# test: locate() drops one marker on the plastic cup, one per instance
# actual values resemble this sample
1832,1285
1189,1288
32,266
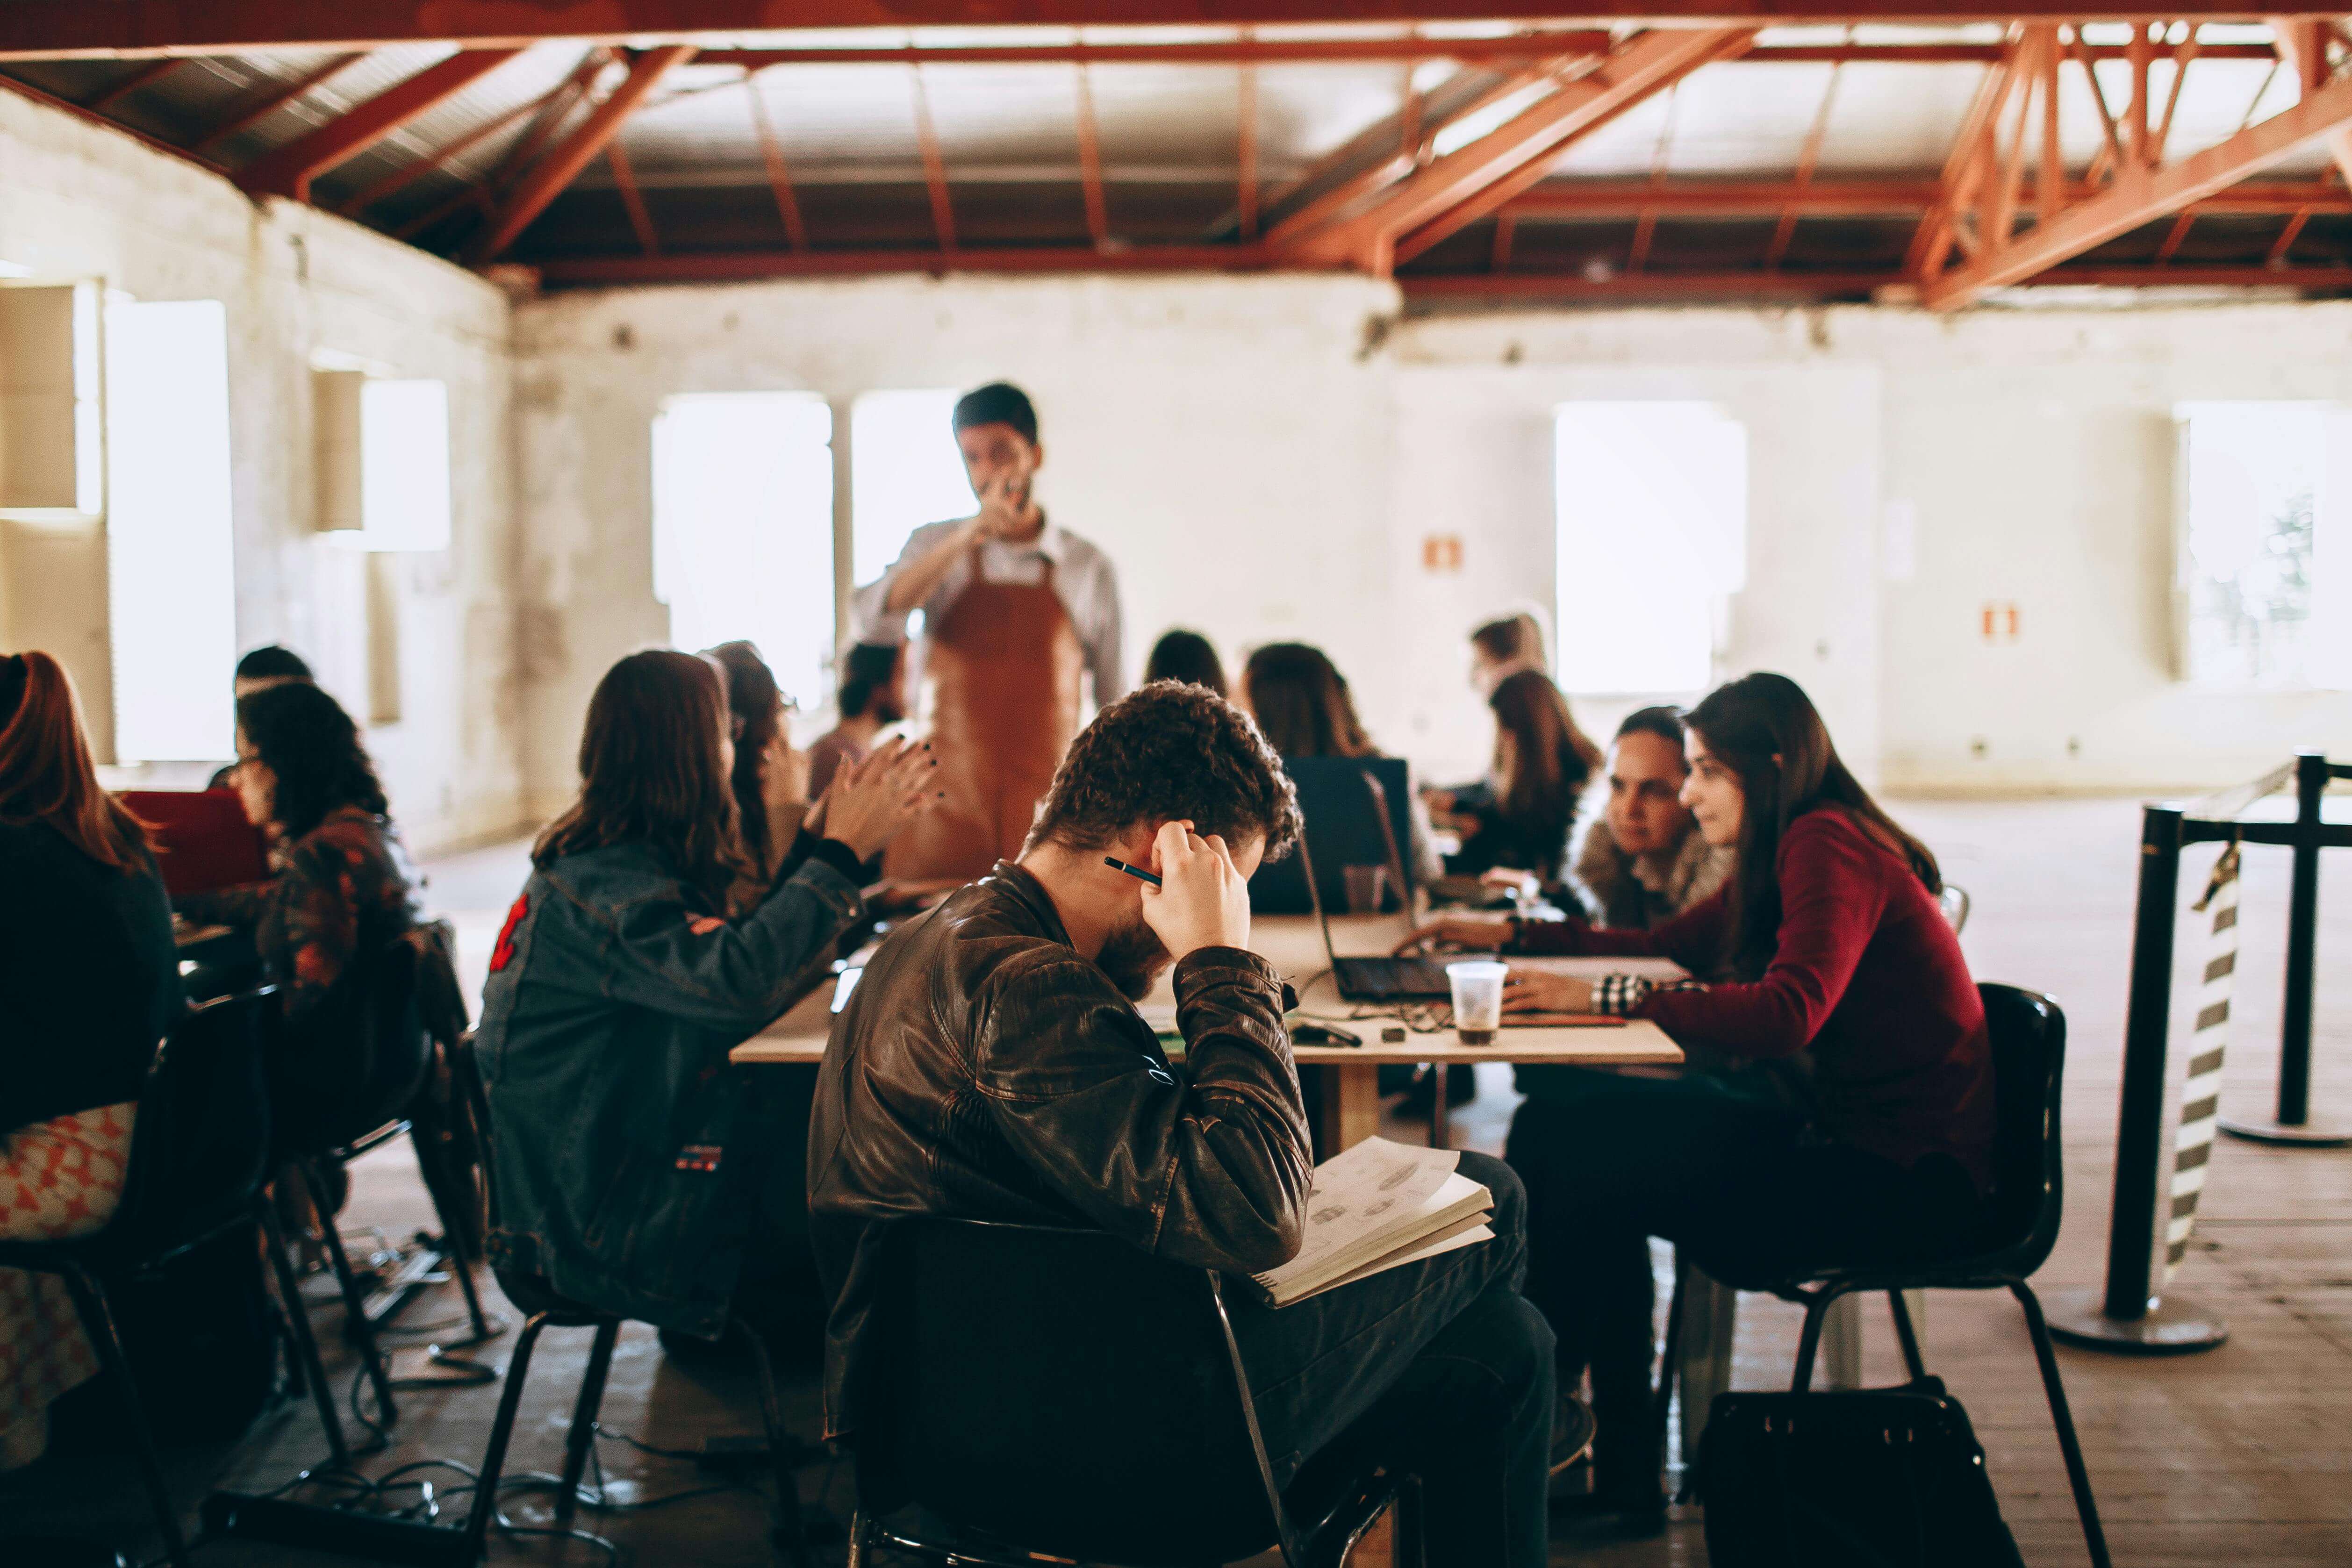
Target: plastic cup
1477,999
1367,888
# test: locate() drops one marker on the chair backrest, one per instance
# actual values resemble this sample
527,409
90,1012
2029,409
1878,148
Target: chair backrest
1346,820
1063,1390
200,1146
362,1062
2027,1033
1954,901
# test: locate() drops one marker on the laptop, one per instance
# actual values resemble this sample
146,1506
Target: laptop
1359,808
1379,979
206,842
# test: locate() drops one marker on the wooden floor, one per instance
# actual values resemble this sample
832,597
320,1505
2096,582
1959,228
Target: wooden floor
2241,1455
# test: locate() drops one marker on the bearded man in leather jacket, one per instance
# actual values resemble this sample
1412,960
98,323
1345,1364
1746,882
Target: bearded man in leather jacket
991,1065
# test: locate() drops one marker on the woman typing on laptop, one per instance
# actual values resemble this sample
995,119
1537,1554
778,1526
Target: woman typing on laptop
1836,956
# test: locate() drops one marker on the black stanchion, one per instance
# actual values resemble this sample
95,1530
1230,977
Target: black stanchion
2126,1317
2293,1124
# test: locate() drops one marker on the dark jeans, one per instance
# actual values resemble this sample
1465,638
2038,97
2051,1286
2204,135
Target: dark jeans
1733,1176
1438,1369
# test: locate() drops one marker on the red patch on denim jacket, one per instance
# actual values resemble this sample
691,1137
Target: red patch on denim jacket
503,954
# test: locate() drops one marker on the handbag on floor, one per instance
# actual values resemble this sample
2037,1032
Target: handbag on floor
1891,1478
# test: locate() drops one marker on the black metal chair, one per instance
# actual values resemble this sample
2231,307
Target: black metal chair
2027,1034
1045,1393
199,1158
366,1100
544,1308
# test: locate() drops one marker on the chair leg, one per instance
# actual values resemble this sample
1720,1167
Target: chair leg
1669,1368
1408,1545
494,1457
791,1528
2078,1475
582,1440
362,1330
1907,1334
297,1324
98,1323
437,1181
1809,1343
861,1549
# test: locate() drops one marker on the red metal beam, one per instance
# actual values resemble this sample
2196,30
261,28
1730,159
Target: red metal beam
2140,195
1596,200
935,167
1515,48
1808,160
123,87
625,179
1738,286
288,171
270,99
1649,63
33,29
1245,154
733,266
407,174
1090,179
547,180
779,174
2303,49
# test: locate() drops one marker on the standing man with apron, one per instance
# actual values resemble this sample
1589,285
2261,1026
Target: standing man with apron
1016,608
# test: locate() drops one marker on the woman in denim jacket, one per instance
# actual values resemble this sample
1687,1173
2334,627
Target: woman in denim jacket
622,979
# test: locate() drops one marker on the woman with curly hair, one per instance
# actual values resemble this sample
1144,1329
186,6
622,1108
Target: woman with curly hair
345,886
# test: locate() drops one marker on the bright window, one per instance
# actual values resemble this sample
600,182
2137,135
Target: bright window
171,571
2265,585
743,528
905,471
1652,501
404,466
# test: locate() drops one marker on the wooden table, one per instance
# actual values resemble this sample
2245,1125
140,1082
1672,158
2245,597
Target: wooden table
1351,1104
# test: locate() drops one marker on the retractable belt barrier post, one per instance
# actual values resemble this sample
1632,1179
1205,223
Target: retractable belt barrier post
2293,1123
2129,1316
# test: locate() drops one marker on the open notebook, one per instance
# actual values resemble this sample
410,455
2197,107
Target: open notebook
1377,1207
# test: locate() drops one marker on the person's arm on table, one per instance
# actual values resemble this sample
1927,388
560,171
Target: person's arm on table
1213,1172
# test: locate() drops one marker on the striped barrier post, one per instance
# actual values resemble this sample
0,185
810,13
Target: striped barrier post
2200,1091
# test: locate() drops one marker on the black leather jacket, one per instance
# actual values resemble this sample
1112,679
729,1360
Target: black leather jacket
984,1069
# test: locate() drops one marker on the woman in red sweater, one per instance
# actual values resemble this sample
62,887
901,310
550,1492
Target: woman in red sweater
1861,1128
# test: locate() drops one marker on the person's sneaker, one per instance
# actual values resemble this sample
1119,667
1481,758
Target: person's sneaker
1571,1434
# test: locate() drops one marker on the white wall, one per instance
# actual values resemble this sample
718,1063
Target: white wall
2036,449
80,201
1222,439
1263,457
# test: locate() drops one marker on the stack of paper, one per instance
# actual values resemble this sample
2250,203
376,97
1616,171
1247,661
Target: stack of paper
1377,1207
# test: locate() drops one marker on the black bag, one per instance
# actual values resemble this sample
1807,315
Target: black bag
1889,1478
202,1338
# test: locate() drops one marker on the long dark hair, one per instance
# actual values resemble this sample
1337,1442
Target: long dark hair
1186,656
1767,731
45,773
1550,761
649,771
755,707
1302,704
304,736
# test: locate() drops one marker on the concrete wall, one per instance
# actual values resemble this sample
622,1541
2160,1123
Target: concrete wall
1264,458
78,200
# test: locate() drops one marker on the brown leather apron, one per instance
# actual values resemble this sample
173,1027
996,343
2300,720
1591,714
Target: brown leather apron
1001,672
